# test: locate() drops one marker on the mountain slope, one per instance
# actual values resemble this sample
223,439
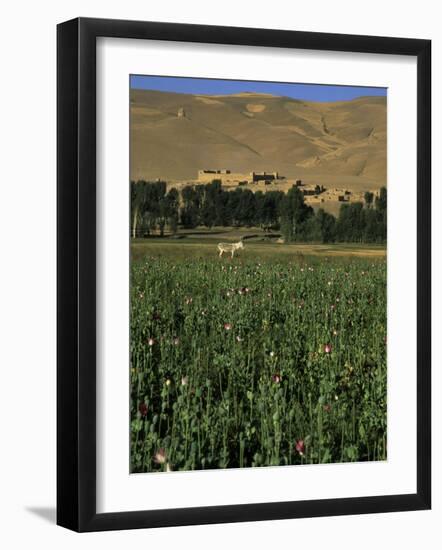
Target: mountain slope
175,135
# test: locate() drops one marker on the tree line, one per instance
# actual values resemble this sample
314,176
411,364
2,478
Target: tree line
153,208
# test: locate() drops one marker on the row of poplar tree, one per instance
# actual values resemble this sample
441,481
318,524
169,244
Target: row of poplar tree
153,209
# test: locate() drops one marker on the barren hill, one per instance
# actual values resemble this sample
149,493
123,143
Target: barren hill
174,135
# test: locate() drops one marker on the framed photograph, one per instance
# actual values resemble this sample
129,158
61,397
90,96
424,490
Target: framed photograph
243,274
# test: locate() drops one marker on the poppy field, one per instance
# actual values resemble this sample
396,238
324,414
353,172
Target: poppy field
247,363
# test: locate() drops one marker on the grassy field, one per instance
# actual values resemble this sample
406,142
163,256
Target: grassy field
258,246
253,250
277,357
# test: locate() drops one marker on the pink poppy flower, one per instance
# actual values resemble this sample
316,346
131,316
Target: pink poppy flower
327,348
227,326
276,378
300,447
160,456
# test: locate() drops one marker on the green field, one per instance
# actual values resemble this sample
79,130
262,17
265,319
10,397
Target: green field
276,357
203,245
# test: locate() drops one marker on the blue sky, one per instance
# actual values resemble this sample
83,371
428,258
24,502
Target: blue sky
308,92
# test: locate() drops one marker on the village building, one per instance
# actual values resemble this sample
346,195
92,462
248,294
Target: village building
227,177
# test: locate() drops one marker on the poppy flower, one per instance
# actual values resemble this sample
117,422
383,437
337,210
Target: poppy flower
327,348
227,326
276,378
160,456
151,342
300,447
143,409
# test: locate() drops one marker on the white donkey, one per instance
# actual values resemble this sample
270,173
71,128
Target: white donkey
229,247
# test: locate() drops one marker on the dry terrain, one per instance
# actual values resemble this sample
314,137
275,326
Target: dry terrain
339,145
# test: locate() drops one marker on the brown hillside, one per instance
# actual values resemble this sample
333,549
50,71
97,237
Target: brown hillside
342,142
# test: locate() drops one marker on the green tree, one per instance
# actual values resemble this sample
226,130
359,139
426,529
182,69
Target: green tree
155,212
327,226
368,197
172,209
381,208
351,222
190,211
246,207
138,199
294,213
233,205
372,232
209,205
270,209
312,230
381,200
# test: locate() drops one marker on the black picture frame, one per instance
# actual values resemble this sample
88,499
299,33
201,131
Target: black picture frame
76,274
